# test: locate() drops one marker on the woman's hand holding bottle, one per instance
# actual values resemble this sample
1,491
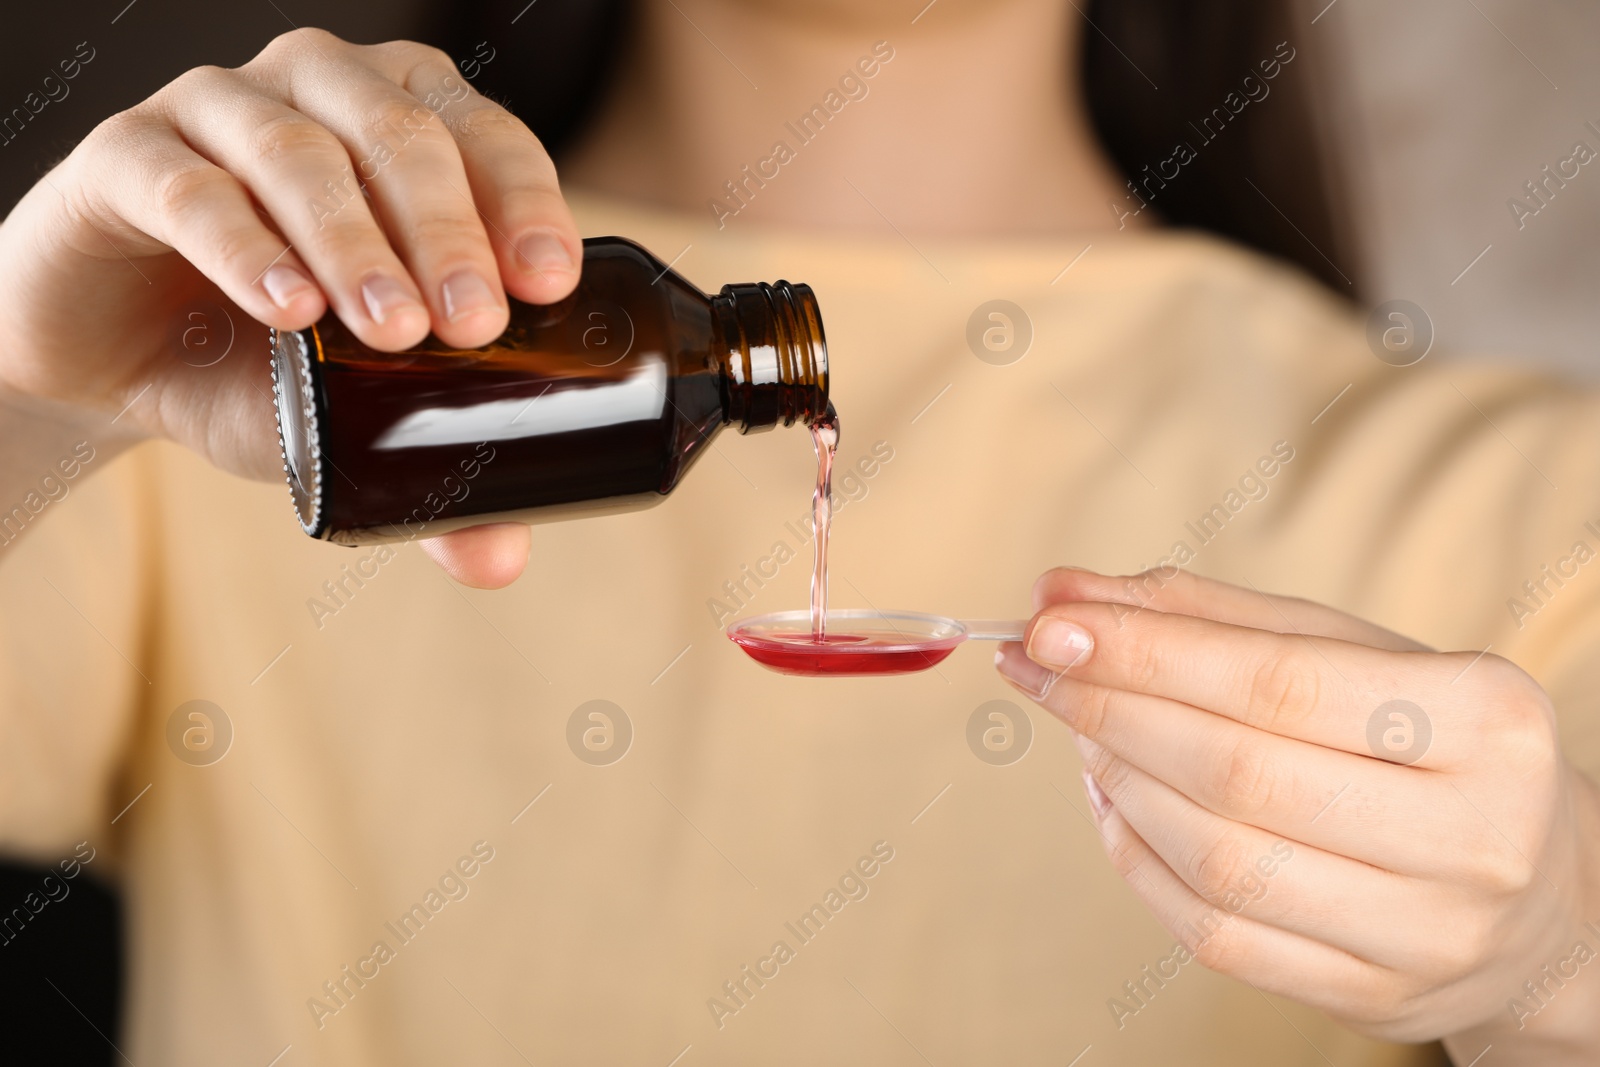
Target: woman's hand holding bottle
371,180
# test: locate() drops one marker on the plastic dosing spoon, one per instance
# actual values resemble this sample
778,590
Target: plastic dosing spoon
860,641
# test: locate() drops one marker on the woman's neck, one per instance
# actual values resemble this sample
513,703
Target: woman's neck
967,121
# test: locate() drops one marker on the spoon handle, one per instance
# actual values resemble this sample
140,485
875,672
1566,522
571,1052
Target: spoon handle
994,629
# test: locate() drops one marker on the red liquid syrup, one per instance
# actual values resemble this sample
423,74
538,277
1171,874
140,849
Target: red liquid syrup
859,641
825,437
868,642
861,652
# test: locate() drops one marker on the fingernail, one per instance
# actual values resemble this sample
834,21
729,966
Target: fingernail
466,293
1023,672
1097,796
1059,644
542,251
385,296
285,285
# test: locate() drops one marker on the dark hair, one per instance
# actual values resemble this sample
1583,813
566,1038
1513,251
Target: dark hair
565,52
1158,74
1162,76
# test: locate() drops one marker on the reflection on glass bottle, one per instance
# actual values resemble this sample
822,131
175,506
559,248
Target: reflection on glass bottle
600,402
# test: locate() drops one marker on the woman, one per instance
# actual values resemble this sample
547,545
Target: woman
396,858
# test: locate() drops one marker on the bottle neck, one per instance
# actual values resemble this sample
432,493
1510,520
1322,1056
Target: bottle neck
773,356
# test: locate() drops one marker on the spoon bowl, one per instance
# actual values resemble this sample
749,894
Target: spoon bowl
859,641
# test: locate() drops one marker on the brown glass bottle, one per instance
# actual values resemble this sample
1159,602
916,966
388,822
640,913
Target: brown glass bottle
598,403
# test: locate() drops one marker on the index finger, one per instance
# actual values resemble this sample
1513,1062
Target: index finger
1321,690
511,178
1178,591
490,556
